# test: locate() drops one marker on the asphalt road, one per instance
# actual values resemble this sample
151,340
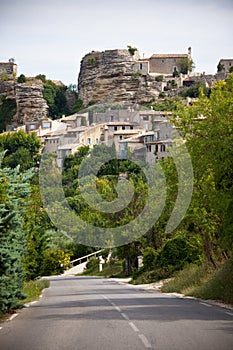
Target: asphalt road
85,313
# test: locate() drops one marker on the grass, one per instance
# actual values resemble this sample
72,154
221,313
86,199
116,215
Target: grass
204,282
109,270
32,289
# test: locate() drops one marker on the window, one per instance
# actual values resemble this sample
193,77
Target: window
97,141
121,137
32,127
123,127
88,140
140,66
156,148
131,127
46,125
162,148
115,128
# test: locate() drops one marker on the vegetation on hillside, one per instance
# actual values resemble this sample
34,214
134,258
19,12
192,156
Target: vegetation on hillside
7,111
31,246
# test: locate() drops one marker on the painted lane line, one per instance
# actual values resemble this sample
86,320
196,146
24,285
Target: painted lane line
12,317
208,305
125,316
145,341
229,313
134,327
117,308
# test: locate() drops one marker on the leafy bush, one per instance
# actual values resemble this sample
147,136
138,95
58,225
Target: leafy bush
21,79
131,49
92,264
4,77
54,262
177,252
159,78
91,60
149,258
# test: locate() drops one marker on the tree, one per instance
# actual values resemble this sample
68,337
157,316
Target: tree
220,67
7,111
21,149
14,190
185,65
207,127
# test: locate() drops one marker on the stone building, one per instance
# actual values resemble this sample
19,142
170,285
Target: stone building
226,64
9,68
161,63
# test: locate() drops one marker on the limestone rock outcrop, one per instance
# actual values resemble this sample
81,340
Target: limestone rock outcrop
29,99
109,77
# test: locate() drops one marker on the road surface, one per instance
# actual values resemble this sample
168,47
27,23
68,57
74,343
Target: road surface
85,313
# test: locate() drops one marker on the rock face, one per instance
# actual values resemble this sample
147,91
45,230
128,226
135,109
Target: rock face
29,99
109,77
30,102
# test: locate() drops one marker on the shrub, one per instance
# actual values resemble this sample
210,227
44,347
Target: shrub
149,258
159,78
177,252
92,264
91,60
4,77
21,79
131,49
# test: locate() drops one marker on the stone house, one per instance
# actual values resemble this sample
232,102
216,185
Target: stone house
8,68
164,64
226,64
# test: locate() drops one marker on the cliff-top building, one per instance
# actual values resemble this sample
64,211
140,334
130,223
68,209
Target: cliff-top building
161,63
8,68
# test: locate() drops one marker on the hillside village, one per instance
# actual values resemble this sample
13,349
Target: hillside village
109,77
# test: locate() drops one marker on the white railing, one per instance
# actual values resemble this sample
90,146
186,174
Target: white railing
79,260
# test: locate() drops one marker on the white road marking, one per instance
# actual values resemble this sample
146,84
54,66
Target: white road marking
143,338
208,305
134,327
229,313
117,308
145,341
12,317
125,316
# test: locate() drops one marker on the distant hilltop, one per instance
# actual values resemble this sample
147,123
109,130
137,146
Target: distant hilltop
120,75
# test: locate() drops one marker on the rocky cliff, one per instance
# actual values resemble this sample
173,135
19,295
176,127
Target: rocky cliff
109,77
28,97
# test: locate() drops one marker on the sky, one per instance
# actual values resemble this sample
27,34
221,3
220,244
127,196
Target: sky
51,36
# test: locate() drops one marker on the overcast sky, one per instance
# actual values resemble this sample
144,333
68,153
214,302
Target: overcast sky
51,36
